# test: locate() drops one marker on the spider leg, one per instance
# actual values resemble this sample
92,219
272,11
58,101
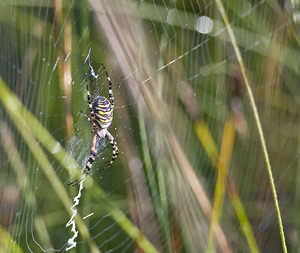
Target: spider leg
114,144
110,91
93,153
88,166
89,99
90,120
74,183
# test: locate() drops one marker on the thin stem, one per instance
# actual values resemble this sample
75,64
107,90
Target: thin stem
257,119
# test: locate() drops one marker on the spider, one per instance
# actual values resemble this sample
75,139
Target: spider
101,111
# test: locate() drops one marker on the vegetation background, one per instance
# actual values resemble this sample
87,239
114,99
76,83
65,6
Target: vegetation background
207,116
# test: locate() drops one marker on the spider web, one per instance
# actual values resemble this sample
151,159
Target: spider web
175,74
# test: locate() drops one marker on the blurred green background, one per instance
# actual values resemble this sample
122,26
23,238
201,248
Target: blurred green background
193,174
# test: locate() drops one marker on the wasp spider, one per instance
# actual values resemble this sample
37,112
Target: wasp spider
101,111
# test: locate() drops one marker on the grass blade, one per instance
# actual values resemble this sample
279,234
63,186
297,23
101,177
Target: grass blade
257,119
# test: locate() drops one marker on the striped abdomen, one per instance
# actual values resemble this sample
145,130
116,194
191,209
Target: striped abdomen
103,111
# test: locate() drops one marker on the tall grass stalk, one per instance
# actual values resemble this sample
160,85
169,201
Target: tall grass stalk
223,165
19,168
210,147
257,119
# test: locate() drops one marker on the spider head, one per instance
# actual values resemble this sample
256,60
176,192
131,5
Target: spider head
102,133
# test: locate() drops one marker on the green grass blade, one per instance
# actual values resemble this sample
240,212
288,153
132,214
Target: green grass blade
30,128
7,244
257,118
210,147
223,166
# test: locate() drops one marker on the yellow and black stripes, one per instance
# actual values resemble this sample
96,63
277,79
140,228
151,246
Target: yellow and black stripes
110,91
114,144
103,111
92,157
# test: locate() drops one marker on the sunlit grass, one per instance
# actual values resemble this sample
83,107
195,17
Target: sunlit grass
193,150
13,107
